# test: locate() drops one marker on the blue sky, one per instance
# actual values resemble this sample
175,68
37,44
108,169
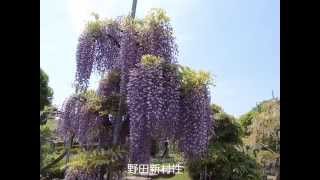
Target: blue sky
237,41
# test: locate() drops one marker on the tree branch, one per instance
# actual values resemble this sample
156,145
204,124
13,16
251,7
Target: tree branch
60,157
54,162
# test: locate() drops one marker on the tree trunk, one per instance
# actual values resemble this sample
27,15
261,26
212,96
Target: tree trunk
117,124
69,146
166,150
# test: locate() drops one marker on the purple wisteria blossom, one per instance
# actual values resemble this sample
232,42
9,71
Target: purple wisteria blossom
142,85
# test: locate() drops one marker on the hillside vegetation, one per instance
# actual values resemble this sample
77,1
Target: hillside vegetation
261,128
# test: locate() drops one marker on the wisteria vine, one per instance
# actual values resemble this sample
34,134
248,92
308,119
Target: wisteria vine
139,58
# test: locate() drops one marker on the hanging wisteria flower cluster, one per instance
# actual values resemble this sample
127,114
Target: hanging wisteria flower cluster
160,99
80,119
153,101
195,115
98,50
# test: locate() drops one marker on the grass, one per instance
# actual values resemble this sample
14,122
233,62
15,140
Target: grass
184,176
174,159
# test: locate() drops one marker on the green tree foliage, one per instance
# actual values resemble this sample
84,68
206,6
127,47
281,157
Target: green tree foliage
191,79
109,162
87,160
246,120
48,151
225,160
46,92
93,101
216,109
48,113
227,130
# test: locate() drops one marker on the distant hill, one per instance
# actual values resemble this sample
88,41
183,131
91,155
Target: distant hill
262,134
262,125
